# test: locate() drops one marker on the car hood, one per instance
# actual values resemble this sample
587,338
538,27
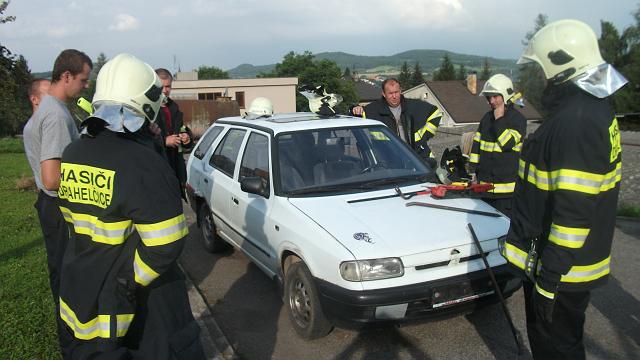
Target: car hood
378,224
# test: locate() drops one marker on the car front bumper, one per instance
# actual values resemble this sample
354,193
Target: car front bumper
433,299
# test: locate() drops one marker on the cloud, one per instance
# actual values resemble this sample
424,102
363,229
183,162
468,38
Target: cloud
124,22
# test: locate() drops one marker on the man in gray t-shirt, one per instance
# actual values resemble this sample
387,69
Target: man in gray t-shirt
49,130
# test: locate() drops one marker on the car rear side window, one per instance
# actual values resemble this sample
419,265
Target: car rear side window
206,142
225,155
255,161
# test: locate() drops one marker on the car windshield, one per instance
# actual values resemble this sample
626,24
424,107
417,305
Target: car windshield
346,160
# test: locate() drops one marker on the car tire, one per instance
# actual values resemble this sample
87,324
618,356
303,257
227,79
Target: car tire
303,303
210,239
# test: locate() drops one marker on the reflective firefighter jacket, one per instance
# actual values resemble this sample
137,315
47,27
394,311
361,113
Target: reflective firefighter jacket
567,191
126,223
419,119
496,149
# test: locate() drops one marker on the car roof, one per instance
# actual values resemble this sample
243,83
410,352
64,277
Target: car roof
279,123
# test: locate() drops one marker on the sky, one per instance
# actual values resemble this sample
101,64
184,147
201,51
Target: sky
226,33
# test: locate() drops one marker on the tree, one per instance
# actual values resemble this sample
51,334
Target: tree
15,79
531,81
624,53
313,72
97,65
347,74
405,76
416,77
446,71
211,73
612,45
486,70
462,73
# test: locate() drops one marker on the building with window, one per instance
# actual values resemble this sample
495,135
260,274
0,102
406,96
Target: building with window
281,91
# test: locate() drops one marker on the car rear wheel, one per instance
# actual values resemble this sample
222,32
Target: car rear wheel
210,239
303,303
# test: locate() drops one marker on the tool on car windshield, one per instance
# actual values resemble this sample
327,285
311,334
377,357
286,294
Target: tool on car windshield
453,208
454,190
496,287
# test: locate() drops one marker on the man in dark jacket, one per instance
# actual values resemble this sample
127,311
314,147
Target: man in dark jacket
414,121
177,137
497,143
566,196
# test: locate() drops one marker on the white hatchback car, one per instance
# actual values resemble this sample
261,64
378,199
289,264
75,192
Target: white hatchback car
315,203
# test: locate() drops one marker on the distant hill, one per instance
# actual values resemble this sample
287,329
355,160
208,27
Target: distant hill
43,75
429,60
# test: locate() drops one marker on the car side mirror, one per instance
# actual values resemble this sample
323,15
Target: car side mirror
254,185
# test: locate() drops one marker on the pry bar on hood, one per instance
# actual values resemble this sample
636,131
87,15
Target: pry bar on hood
451,208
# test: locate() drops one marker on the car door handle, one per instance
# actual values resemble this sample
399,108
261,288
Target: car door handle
235,200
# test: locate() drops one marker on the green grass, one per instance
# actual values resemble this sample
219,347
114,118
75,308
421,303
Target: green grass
27,315
11,145
629,210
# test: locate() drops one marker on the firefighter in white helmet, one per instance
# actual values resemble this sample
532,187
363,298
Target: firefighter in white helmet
127,228
259,107
566,197
498,141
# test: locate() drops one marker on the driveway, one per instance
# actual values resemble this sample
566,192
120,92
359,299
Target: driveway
247,307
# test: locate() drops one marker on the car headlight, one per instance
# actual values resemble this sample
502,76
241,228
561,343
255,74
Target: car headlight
373,269
501,245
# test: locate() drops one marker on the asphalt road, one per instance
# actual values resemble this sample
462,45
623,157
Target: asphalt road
247,307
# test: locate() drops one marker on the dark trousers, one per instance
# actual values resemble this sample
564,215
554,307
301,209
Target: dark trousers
56,236
563,337
163,327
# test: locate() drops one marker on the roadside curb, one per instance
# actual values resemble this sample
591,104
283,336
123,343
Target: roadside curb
214,342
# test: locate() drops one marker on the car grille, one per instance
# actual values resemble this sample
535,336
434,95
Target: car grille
446,262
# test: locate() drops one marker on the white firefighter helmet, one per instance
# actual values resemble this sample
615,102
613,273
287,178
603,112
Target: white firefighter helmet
131,82
564,49
498,84
259,107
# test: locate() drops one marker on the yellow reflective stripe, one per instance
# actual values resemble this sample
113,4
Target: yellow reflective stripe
96,327
545,293
574,180
476,137
111,233
99,326
501,188
163,232
567,236
517,147
144,274
515,255
474,158
507,134
489,146
379,135
123,321
586,273
428,126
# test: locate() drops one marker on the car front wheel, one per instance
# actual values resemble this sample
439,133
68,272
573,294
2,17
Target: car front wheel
212,242
303,303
